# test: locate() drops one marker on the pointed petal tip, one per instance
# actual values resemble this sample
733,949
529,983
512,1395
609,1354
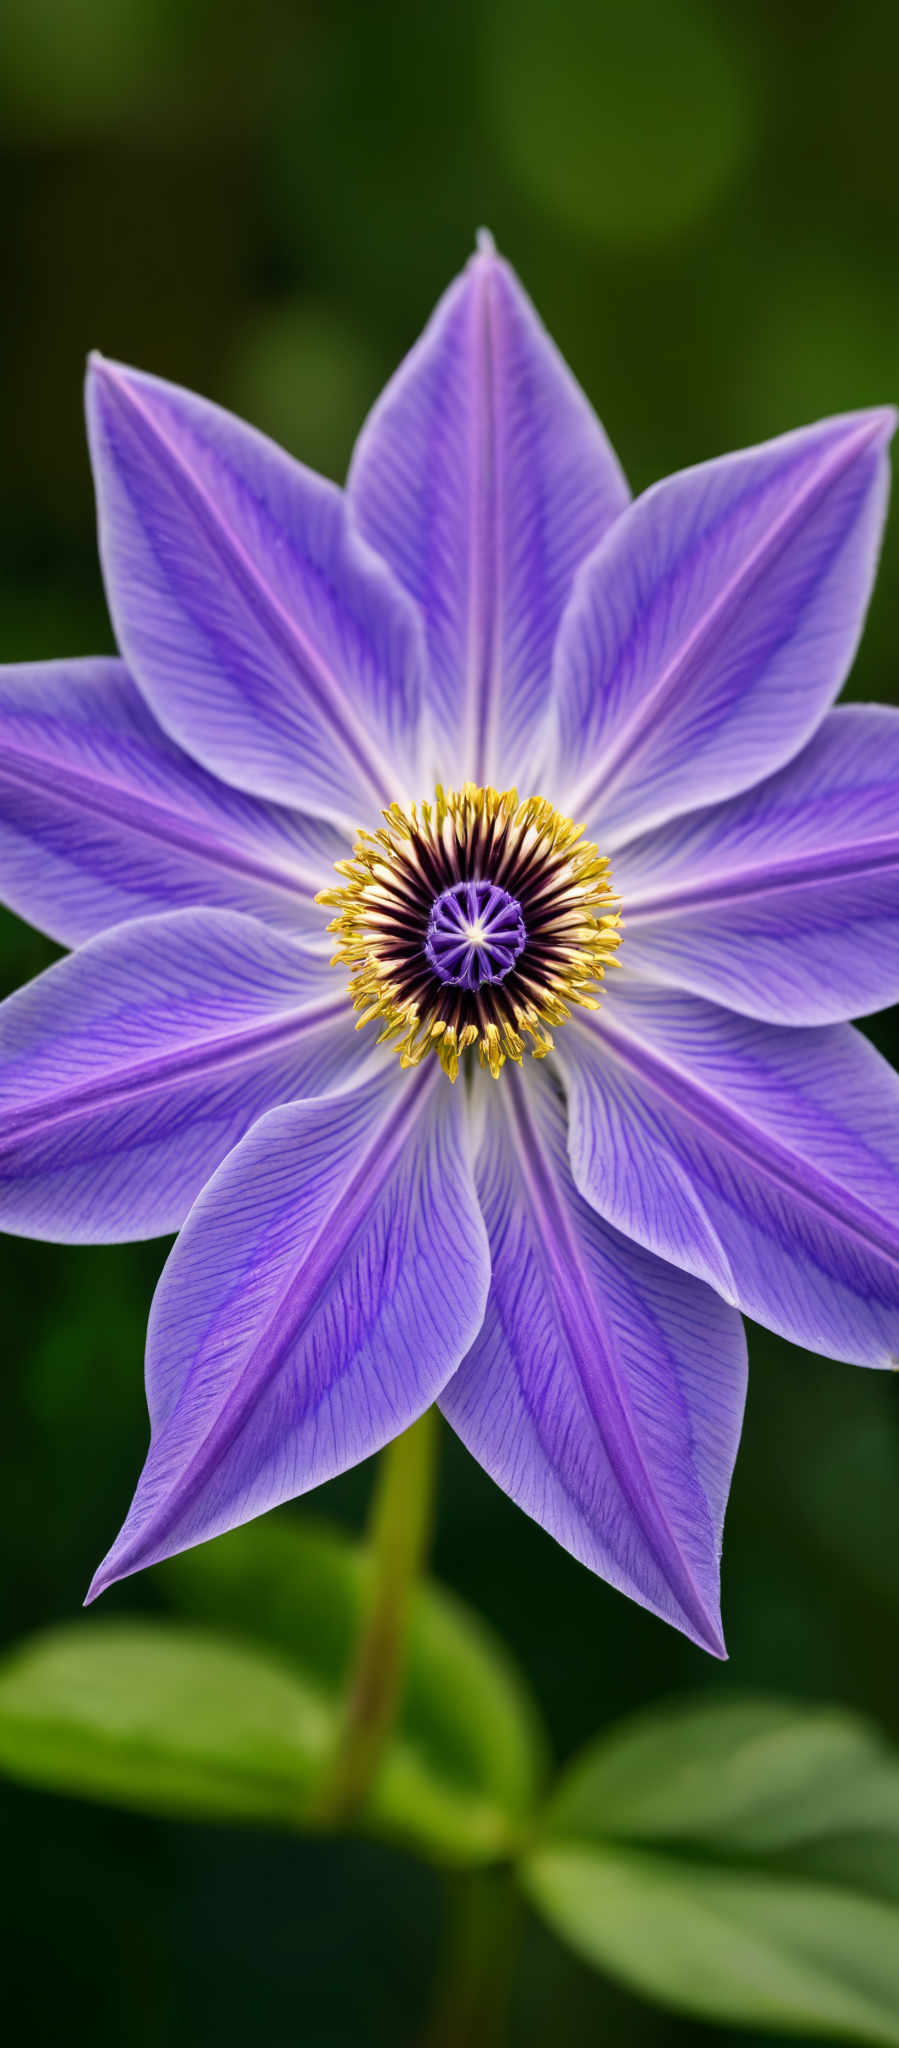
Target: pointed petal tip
108,369
122,1561
484,243
874,423
865,423
712,1640
99,365
701,1624
881,420
115,378
101,376
99,1584
94,368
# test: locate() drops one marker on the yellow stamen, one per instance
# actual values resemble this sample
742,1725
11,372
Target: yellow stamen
561,883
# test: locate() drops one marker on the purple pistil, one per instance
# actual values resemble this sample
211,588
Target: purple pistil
475,934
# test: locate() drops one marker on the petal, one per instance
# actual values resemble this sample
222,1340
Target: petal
716,623
765,1161
784,902
129,1069
103,818
324,1288
266,637
483,478
605,1391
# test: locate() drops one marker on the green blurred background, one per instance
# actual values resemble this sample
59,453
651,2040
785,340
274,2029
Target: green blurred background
264,203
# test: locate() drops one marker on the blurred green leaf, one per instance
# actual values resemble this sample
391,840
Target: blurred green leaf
154,1715
306,377
461,1773
737,1861
759,1775
74,67
74,70
744,1948
626,122
242,1726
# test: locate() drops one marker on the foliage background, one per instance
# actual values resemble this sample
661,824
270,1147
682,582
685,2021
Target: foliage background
264,203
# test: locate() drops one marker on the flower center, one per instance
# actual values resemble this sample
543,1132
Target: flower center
475,920
475,934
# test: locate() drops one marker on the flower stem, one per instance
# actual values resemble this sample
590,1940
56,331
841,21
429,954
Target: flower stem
399,1534
477,1977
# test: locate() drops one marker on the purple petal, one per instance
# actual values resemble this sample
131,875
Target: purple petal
483,478
784,902
605,1391
764,1161
129,1069
266,637
323,1290
103,818
716,623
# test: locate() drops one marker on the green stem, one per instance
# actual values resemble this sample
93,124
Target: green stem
477,1977
400,1530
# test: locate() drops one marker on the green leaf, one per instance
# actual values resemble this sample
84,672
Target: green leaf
759,1951
759,1774
155,1715
738,1861
461,1773
237,1718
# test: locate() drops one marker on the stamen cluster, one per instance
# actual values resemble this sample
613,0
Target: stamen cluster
538,920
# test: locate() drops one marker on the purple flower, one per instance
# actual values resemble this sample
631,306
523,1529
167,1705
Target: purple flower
556,1250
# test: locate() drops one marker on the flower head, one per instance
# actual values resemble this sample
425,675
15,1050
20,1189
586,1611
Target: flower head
484,718
473,921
